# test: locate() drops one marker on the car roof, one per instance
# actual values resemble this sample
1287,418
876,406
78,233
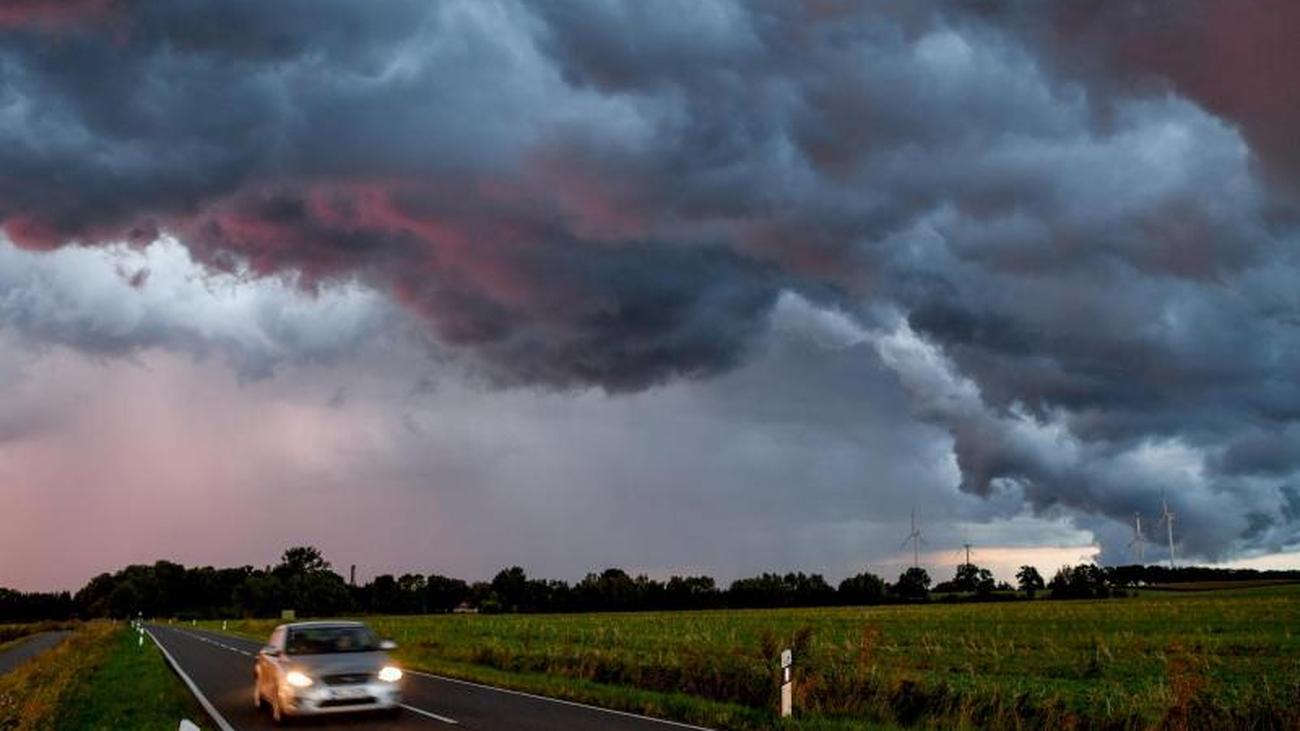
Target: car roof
322,623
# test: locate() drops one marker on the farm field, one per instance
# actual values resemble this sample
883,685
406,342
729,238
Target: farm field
1213,660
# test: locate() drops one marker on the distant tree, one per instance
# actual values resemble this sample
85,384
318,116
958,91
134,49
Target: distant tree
1085,581
443,593
913,583
974,580
1031,582
863,588
411,598
612,590
309,586
384,595
691,592
302,560
511,589
124,601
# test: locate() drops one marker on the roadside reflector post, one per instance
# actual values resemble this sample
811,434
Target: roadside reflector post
787,684
223,625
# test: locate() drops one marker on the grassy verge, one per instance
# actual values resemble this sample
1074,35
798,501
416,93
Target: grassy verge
98,678
131,687
32,695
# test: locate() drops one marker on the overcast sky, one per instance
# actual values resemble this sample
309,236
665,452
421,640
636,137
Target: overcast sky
676,286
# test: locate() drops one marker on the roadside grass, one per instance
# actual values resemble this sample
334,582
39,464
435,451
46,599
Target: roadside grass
97,678
1206,660
32,695
130,687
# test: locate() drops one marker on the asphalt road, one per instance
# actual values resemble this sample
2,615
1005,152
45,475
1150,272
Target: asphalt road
221,668
29,647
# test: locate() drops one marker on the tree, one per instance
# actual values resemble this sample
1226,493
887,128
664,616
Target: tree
302,560
309,586
864,588
973,579
443,593
1085,581
511,589
913,583
124,601
1031,582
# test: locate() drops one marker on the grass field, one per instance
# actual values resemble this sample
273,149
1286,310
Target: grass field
98,678
1212,660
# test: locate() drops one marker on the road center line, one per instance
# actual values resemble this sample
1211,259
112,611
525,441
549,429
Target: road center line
434,716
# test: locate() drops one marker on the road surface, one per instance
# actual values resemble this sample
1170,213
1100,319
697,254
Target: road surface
29,647
220,667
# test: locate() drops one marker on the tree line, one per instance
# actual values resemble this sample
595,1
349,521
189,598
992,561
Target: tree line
306,583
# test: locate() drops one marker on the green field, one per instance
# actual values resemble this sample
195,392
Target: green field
1213,660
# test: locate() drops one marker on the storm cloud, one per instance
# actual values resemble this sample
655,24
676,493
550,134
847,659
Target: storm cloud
1069,233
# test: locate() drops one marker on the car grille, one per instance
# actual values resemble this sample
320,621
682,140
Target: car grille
348,678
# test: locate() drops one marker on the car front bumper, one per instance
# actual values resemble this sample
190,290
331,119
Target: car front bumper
322,699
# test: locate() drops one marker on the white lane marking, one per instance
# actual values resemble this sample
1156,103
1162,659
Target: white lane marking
420,711
650,719
198,694
434,716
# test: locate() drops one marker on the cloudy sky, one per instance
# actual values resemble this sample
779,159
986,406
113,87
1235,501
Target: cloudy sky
676,286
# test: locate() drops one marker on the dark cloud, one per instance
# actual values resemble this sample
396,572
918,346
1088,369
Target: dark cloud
1085,210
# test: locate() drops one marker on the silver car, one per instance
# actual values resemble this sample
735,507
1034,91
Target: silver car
310,668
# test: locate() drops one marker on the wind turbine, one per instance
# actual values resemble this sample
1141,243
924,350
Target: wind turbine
915,539
1167,518
967,545
1138,545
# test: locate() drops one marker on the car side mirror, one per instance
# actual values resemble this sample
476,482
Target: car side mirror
270,651
387,645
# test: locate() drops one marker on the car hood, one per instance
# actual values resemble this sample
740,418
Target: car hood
338,663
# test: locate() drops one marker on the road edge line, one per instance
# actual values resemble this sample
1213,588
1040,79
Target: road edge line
562,701
211,710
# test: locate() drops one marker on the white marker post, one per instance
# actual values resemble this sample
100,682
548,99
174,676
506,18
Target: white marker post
223,625
787,684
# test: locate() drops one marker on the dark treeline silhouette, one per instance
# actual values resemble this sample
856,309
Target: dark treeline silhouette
306,583
17,606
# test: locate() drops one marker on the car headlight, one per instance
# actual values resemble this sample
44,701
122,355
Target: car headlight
390,674
297,679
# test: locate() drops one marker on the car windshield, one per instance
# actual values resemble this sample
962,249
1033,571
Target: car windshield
325,640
